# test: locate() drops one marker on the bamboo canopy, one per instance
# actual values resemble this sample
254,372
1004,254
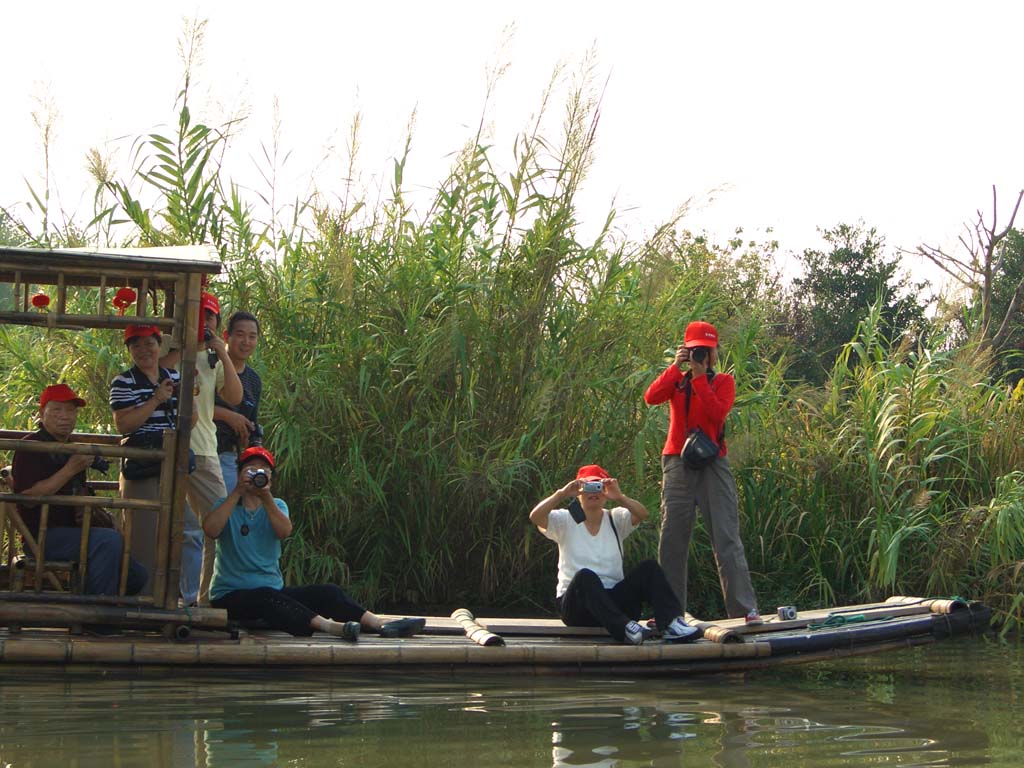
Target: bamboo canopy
178,273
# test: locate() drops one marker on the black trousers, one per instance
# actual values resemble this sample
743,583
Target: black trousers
292,608
586,603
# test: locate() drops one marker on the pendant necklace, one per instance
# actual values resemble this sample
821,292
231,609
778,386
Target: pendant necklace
244,530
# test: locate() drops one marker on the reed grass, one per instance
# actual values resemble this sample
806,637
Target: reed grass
427,380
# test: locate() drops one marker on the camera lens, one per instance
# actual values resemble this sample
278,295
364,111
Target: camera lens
699,354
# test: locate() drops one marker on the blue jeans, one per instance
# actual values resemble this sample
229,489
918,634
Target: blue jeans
103,568
229,469
191,557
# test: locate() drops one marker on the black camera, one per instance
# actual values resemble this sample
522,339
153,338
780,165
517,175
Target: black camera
211,356
256,436
260,478
700,354
100,464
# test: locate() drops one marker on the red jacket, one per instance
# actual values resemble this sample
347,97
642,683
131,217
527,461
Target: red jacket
709,405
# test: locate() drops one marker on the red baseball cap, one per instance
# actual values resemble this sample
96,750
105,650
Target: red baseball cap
60,393
134,331
257,452
700,334
592,472
209,301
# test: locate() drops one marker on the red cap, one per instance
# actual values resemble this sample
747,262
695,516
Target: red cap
256,452
60,393
133,331
592,472
700,334
209,301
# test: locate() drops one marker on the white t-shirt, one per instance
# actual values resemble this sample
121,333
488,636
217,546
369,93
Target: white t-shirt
577,549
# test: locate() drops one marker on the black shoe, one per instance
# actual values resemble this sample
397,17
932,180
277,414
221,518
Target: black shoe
402,627
350,631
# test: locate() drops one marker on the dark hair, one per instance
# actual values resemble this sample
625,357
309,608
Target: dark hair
240,316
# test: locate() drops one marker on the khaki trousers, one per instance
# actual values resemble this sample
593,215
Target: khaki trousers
143,537
713,490
205,488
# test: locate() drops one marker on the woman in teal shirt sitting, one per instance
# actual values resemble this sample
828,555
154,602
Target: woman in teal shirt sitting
248,526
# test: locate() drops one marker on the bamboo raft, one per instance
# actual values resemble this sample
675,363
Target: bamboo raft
536,646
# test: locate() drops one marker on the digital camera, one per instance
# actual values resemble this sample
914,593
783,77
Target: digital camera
256,436
259,477
700,354
593,486
100,464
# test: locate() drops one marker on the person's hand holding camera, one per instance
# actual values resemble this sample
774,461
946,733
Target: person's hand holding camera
255,482
79,462
164,391
700,358
572,488
612,490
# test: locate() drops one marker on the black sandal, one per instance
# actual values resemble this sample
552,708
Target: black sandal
402,627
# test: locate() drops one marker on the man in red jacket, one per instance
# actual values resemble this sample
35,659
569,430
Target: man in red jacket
700,399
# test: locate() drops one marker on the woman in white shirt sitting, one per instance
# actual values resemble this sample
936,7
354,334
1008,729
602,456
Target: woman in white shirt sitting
592,589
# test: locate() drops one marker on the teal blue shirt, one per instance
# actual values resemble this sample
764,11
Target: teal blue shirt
250,561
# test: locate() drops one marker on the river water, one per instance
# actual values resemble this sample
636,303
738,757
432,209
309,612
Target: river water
957,703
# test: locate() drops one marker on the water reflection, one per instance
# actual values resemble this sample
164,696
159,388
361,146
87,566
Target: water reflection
937,706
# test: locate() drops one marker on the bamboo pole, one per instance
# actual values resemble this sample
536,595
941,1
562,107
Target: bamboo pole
62,294
186,316
76,437
16,293
41,274
83,547
109,322
42,614
101,308
474,631
44,513
143,300
82,501
163,519
116,451
31,543
127,520
64,597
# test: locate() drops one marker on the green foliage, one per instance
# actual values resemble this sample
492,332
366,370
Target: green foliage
837,286
426,381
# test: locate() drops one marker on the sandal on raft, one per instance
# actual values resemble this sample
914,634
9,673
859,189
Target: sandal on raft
402,627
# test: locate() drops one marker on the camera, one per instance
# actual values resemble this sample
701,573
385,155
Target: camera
207,334
700,354
256,436
786,612
259,478
100,464
593,486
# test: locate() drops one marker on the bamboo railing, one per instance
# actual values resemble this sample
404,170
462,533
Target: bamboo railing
177,273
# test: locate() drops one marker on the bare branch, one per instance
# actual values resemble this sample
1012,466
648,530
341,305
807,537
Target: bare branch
1004,328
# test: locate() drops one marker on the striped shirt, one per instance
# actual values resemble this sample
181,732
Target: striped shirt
133,388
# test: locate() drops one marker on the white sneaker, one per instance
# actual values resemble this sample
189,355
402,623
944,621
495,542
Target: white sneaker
635,634
680,632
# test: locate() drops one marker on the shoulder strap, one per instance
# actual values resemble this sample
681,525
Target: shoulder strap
689,393
611,519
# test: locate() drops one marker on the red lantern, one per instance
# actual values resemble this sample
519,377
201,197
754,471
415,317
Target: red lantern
40,301
123,299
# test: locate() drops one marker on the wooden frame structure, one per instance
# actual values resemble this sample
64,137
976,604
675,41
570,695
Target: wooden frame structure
178,273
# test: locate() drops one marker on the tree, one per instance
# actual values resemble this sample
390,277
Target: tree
984,272
836,291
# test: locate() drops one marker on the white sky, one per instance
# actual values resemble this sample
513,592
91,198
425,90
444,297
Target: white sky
802,114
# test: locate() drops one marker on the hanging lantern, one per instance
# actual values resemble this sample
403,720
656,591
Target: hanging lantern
40,301
123,299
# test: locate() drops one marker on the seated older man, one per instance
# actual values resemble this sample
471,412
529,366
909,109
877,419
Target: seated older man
60,474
